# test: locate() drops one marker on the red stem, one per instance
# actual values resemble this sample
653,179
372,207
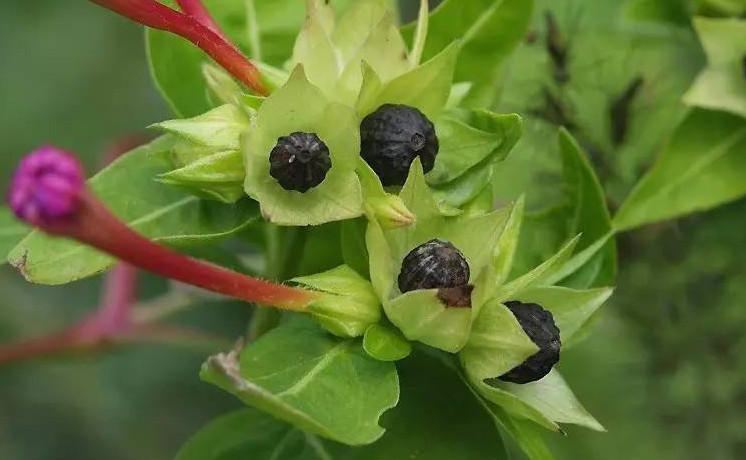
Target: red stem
197,10
97,227
158,16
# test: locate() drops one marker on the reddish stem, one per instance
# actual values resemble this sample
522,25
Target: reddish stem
97,227
158,16
197,10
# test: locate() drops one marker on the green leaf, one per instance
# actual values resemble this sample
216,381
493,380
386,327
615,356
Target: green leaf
461,147
461,190
513,404
11,232
339,196
385,344
590,215
321,384
524,432
663,11
554,399
497,343
508,243
702,167
348,306
354,250
722,84
158,211
581,211
489,30
540,274
436,419
249,433
572,309
425,87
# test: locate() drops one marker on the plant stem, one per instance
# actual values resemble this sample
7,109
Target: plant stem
197,10
97,227
158,16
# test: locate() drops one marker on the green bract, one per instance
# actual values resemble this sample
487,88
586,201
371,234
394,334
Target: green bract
299,106
207,153
348,305
333,51
498,343
420,314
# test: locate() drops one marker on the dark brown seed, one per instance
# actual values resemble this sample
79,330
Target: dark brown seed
435,264
299,161
540,327
392,137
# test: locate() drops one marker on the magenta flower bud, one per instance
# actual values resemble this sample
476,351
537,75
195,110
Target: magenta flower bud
46,187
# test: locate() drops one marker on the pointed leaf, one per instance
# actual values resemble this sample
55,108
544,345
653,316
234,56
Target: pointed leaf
220,128
425,87
553,398
538,275
722,85
702,167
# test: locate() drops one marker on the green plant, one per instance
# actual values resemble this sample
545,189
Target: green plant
281,168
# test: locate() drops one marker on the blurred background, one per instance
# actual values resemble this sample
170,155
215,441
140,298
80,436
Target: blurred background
664,370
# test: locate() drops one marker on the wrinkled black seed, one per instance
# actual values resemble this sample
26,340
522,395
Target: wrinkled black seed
299,161
392,137
540,327
435,264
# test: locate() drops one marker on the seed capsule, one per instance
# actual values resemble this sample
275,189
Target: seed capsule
435,264
540,327
299,161
392,137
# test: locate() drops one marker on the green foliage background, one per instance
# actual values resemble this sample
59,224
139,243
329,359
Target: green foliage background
664,370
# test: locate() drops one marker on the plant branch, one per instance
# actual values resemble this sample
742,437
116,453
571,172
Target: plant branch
158,16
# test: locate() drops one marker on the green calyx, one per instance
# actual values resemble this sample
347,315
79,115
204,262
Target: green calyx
347,305
299,106
206,153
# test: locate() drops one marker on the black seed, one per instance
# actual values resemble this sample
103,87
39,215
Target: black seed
392,137
540,327
435,264
299,161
